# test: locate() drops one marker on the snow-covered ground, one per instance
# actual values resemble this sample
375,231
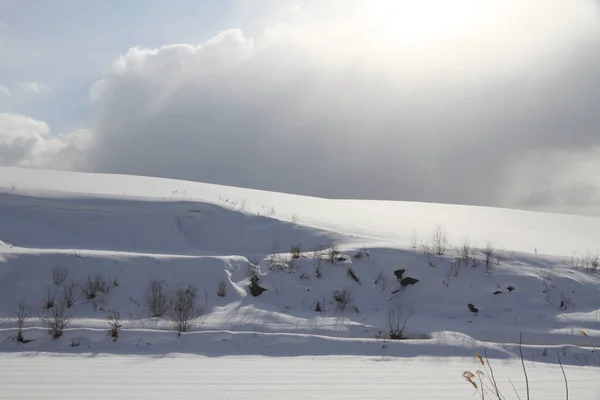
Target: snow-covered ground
295,339
262,378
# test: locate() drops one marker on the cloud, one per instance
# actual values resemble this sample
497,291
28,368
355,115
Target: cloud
356,99
4,91
33,88
27,142
325,106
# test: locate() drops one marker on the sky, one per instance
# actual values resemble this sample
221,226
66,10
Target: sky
477,102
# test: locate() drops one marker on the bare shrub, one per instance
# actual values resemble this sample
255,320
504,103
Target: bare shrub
59,274
68,294
333,253
358,255
274,256
57,321
594,263
343,298
156,298
414,237
296,250
222,289
116,323
318,266
464,253
454,270
49,300
94,285
283,266
397,319
184,308
589,262
489,255
22,313
565,302
437,243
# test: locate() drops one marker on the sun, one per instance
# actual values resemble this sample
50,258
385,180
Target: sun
427,24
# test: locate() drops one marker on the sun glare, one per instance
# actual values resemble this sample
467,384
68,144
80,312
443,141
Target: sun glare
423,24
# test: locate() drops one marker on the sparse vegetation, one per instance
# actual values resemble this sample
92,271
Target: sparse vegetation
156,298
318,260
333,253
59,274
115,323
95,285
437,243
57,321
68,294
352,275
414,239
464,253
565,302
343,299
397,319
489,257
222,289
49,300
296,251
589,262
184,308
358,255
22,313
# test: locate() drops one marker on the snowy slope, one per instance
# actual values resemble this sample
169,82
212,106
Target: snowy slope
130,229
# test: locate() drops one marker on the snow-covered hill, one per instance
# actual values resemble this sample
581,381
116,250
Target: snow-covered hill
126,231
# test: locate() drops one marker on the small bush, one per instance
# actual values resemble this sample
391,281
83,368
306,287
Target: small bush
464,253
437,244
296,251
22,313
59,275
156,298
222,289
489,255
333,253
184,308
318,266
57,321
358,255
565,302
49,300
94,285
68,294
115,323
589,262
343,299
397,319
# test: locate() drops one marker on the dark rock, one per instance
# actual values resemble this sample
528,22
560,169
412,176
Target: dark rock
408,281
256,290
510,288
498,292
399,273
472,308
